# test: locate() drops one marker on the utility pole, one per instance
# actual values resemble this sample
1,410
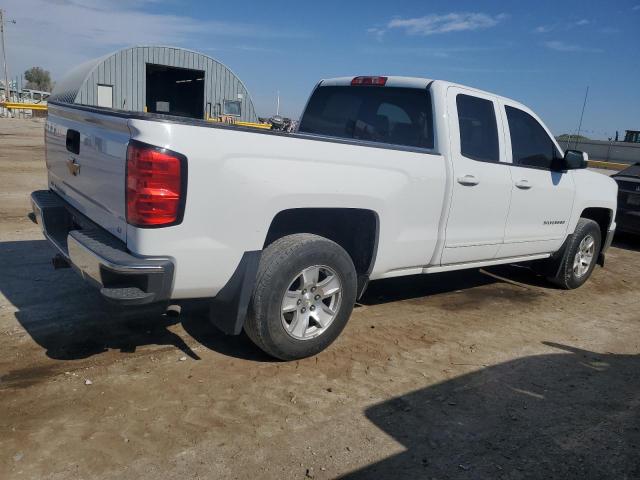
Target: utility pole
7,87
278,102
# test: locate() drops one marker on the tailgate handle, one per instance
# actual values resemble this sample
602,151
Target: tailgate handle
73,141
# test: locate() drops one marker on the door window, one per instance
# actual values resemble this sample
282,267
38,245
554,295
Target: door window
478,128
530,144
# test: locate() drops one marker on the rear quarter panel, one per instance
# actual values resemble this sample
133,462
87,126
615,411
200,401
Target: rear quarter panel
238,181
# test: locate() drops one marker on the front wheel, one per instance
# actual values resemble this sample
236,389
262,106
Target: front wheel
581,256
304,295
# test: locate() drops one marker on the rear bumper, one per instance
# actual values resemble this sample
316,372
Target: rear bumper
100,258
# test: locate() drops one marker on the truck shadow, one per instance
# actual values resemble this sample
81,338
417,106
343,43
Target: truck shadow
417,286
561,415
627,241
70,320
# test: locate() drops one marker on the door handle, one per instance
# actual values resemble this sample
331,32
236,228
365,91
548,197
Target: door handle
523,184
468,180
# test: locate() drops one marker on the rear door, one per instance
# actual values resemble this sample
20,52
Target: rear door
86,156
481,181
542,198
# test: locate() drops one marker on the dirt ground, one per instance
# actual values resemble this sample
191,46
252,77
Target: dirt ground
481,374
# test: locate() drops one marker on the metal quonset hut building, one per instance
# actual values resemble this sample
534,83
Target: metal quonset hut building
165,80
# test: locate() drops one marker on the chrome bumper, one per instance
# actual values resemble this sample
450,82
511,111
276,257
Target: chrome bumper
100,258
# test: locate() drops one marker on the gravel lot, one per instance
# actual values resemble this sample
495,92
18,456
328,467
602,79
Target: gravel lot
481,374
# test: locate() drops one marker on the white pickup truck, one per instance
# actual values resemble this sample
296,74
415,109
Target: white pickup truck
386,176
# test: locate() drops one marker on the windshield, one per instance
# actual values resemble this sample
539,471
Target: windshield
400,116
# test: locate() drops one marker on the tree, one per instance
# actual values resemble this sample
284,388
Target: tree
38,79
571,138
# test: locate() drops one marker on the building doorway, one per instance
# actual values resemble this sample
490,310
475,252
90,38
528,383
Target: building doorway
175,91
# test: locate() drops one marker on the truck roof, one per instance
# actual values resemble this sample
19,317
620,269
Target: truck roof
392,81
413,82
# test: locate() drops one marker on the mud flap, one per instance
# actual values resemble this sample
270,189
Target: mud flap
550,267
228,308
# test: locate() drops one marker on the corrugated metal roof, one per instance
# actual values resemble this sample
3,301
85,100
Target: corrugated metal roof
124,70
67,89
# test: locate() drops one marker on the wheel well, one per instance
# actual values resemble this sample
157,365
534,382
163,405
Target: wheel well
602,216
355,230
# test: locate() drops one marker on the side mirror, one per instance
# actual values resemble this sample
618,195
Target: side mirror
575,159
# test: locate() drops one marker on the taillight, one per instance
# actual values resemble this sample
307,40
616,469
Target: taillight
155,188
375,81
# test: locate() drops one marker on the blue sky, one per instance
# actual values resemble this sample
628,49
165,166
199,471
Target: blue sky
543,53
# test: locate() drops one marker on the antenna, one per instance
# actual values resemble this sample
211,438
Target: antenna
586,94
278,102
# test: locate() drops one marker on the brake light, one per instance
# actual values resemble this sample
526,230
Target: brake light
376,81
155,188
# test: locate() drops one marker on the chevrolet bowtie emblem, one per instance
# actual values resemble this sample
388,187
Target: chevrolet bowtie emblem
73,166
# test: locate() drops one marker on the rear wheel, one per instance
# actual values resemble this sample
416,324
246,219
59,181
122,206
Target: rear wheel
580,257
304,294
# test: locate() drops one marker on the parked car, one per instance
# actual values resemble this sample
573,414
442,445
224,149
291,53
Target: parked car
628,215
385,177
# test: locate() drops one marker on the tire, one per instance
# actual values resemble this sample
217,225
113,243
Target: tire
567,275
287,267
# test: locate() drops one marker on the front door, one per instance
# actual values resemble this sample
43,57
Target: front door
481,181
542,198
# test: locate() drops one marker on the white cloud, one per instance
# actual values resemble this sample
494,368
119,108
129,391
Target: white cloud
61,34
635,7
377,32
435,24
560,46
436,52
562,26
543,29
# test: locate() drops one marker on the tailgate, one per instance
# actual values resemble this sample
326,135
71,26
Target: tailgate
86,158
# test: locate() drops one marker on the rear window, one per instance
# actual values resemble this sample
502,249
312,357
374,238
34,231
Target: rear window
399,116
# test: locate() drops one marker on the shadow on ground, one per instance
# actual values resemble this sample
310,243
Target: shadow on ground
574,414
71,321
418,286
627,241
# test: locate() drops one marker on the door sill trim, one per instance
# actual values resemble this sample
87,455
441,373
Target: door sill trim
483,263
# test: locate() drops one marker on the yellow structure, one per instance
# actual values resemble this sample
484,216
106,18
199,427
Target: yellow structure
24,106
232,121
43,106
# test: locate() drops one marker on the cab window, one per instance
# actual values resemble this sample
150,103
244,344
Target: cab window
531,146
478,128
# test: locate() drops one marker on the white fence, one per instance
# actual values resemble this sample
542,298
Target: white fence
621,152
